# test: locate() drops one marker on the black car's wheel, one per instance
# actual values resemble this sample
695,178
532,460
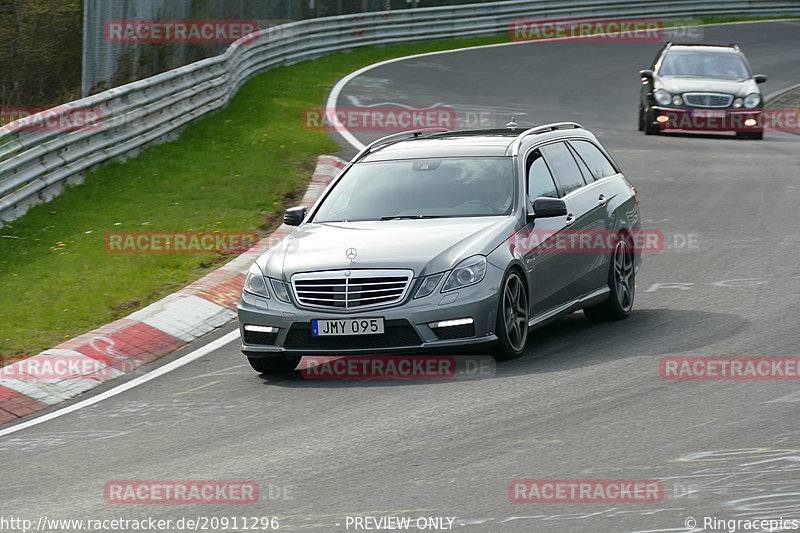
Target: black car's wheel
274,365
647,124
758,135
621,281
512,318
641,119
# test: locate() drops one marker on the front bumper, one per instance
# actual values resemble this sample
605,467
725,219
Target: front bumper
406,325
698,119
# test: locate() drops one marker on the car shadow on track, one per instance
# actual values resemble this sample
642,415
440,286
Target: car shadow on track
574,342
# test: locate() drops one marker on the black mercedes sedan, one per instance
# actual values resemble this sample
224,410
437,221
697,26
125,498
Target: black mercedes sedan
701,88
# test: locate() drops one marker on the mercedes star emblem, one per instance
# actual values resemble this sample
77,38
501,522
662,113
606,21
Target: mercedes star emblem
351,254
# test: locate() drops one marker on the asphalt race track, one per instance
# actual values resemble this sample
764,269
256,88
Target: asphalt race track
586,402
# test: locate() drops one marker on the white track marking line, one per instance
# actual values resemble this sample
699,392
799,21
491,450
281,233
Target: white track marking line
160,371
333,97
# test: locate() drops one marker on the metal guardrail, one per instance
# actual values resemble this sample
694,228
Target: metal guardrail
35,166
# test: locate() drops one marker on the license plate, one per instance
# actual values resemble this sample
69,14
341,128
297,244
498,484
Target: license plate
347,326
709,113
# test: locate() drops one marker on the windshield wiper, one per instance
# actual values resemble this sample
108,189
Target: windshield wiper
403,217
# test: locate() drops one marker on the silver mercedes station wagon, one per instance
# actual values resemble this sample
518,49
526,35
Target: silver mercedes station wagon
443,242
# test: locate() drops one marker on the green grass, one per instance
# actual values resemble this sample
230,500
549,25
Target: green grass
235,170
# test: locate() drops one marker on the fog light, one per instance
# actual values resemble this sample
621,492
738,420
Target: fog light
662,118
448,323
260,329
750,122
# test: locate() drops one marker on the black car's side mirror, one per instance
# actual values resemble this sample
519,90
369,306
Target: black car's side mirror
544,207
647,73
759,78
294,215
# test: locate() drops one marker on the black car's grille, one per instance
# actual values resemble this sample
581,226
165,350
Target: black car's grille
707,99
397,334
349,289
259,337
455,332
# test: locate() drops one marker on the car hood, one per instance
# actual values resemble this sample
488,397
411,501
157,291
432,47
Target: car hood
424,246
687,84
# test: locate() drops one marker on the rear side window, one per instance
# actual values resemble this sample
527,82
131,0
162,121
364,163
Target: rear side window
563,166
598,163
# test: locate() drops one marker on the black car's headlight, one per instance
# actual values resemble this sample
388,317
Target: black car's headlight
752,100
468,272
255,283
662,97
428,284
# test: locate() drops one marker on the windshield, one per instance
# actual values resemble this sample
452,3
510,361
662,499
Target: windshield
704,64
421,188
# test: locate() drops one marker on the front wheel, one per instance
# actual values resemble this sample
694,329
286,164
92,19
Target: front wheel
274,365
622,282
512,318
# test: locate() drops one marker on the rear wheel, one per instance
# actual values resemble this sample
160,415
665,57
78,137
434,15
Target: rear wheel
621,281
512,318
274,365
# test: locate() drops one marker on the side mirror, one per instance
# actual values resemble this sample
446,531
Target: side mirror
294,215
759,78
647,74
544,207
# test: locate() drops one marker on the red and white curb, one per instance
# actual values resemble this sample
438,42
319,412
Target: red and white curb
145,335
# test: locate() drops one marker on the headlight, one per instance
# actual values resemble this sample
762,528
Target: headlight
255,283
279,288
677,100
738,103
468,272
427,285
752,100
662,97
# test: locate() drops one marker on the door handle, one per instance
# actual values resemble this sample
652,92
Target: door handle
602,200
570,219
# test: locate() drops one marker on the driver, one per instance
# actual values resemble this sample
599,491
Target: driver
498,191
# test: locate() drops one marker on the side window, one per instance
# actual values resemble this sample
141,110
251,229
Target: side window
597,162
540,181
563,166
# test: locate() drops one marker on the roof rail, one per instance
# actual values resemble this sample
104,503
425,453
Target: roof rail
395,137
541,129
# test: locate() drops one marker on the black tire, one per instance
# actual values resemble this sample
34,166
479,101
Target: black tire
622,282
274,365
512,318
648,126
756,135
641,119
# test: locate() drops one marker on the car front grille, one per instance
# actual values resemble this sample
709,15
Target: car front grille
351,289
707,99
397,334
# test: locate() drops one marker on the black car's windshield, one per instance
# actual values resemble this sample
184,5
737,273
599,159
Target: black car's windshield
421,188
713,65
